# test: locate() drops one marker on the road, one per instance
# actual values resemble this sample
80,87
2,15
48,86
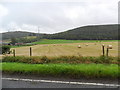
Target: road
9,81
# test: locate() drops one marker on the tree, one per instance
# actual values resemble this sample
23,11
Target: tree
13,41
5,49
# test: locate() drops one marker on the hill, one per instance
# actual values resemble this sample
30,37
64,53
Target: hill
96,32
17,34
93,32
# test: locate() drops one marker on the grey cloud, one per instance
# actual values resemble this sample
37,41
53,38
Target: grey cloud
54,17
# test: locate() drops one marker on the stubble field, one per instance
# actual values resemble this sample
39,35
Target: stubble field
68,49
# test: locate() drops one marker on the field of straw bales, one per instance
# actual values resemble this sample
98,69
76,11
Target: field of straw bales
68,49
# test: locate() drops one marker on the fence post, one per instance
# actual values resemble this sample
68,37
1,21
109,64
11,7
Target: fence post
108,47
14,52
103,49
30,51
107,51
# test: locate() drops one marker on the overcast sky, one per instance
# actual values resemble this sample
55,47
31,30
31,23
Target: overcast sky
53,17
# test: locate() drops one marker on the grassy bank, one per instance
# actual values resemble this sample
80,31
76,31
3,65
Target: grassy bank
64,70
62,59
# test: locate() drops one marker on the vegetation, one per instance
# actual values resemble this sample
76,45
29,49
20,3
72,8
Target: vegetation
5,49
48,59
13,41
61,41
16,34
94,32
24,40
71,66
62,59
16,46
97,32
64,70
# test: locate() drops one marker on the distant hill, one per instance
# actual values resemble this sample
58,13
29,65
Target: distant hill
17,34
93,32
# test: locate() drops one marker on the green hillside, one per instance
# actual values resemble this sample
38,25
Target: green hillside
16,34
97,32
93,32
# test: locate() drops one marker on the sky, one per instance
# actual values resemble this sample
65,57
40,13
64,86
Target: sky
50,16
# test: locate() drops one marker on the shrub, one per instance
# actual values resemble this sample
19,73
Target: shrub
5,49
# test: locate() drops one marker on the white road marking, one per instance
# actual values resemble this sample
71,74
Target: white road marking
63,82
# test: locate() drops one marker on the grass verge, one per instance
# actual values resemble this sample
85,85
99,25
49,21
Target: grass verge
64,70
62,59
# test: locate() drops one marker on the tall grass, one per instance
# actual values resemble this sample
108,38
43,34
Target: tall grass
64,70
62,59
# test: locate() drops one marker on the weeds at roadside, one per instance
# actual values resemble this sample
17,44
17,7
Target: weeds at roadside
62,59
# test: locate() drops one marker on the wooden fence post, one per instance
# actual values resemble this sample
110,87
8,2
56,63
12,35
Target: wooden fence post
30,51
103,49
108,47
14,52
107,51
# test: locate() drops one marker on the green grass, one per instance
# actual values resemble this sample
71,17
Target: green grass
60,41
20,46
64,70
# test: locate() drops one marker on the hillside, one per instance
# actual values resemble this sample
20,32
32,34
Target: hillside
97,32
16,34
94,32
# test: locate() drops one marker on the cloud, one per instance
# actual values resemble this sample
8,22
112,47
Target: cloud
3,11
53,17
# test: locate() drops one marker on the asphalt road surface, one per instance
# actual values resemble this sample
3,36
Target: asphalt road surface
13,81
23,84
